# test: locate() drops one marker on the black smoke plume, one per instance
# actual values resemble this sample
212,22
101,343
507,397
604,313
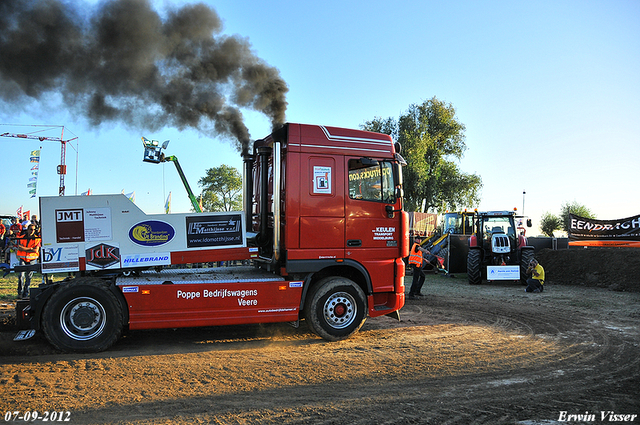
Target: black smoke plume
123,62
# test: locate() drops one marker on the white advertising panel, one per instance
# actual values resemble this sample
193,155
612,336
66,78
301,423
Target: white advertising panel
503,272
60,258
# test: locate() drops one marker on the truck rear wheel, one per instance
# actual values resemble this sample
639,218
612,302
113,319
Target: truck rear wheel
336,308
474,263
82,316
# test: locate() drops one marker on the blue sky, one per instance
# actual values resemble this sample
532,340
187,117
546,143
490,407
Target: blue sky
549,92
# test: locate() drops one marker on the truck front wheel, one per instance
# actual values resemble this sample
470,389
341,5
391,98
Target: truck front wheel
82,316
336,308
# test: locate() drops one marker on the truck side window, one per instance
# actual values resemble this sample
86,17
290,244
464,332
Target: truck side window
371,182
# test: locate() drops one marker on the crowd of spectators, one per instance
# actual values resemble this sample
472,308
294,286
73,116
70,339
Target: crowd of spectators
23,237
10,233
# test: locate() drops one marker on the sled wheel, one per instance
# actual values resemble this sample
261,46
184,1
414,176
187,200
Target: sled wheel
83,316
335,308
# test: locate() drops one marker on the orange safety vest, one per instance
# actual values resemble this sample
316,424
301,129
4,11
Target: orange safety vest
26,242
415,257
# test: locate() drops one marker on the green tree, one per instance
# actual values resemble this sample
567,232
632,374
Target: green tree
432,140
222,189
574,208
550,223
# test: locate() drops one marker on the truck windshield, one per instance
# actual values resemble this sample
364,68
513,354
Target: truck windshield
371,182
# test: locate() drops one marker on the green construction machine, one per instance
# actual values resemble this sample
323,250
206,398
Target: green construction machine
153,153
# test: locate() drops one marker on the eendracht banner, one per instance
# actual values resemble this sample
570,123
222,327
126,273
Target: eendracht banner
624,232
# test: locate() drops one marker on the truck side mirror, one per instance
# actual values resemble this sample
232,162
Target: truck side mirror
389,210
529,222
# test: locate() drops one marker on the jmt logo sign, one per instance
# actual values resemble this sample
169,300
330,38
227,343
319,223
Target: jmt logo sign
69,225
102,256
65,216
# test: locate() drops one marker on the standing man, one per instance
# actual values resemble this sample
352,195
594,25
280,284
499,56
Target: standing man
35,222
28,252
3,240
15,227
415,261
536,281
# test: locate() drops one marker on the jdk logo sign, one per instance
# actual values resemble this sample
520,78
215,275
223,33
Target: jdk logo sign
102,256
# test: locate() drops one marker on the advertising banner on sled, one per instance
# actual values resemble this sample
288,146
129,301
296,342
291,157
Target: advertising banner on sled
623,232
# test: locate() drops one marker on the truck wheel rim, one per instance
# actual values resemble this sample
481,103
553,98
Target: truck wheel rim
82,319
340,310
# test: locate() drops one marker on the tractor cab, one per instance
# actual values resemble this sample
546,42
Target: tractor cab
459,223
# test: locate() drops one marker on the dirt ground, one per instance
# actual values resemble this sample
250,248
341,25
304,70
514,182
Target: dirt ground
486,354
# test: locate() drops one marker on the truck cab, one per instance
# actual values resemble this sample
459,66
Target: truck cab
335,196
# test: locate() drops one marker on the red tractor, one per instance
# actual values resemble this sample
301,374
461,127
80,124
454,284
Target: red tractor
498,250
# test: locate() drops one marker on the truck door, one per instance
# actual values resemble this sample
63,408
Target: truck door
321,206
372,237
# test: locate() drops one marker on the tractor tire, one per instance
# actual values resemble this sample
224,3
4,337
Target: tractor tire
83,316
526,255
474,267
336,308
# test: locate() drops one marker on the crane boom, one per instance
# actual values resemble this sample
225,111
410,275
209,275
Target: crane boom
62,168
192,197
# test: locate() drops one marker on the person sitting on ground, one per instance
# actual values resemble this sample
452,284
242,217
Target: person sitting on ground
536,281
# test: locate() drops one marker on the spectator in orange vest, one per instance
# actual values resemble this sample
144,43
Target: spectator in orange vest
28,252
415,261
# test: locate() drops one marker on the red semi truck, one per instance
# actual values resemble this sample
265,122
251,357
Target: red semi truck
322,227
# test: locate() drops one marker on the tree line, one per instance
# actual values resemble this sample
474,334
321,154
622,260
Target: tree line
549,223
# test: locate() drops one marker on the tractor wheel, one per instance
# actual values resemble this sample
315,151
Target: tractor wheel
83,316
336,308
474,267
526,255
